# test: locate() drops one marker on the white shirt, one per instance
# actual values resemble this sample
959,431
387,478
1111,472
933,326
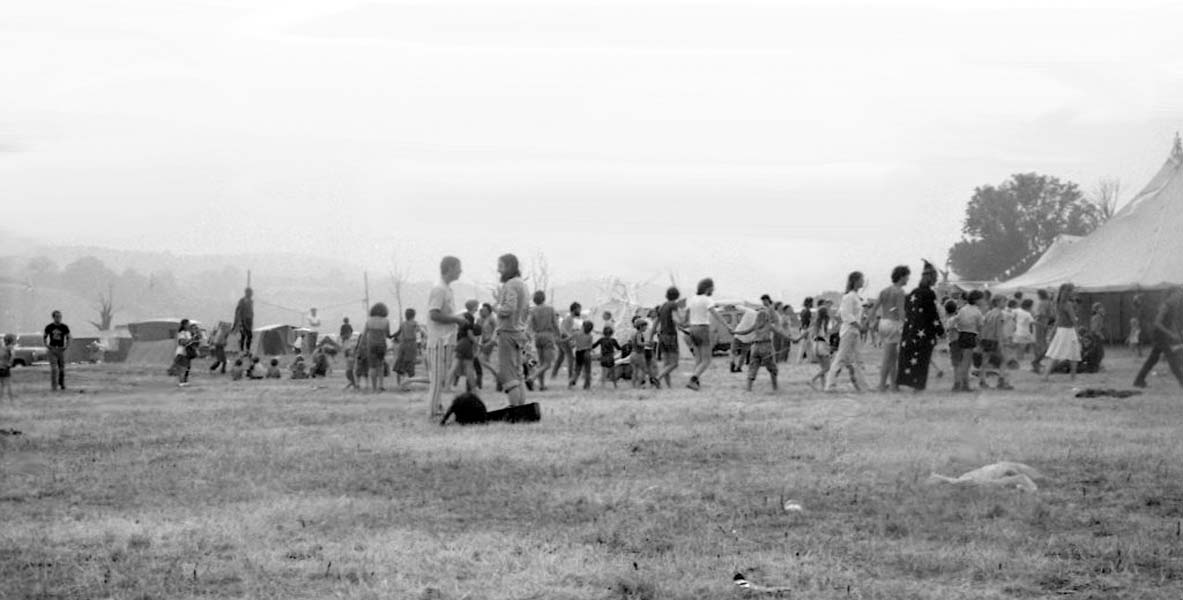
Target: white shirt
850,310
746,322
700,310
1024,323
313,321
441,299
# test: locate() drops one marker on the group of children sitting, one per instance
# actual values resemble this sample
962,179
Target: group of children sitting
250,367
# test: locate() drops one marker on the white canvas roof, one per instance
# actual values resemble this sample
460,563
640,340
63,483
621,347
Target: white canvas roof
1140,248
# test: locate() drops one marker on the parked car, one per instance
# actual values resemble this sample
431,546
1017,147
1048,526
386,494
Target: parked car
29,349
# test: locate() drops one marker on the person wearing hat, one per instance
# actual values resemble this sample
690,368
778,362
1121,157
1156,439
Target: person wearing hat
922,330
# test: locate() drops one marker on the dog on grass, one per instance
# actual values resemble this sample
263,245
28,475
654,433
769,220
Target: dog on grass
468,409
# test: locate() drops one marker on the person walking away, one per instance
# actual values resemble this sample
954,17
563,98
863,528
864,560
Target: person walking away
701,309
806,318
1024,338
968,323
582,344
57,339
849,346
513,308
921,330
442,326
1065,344
543,325
1166,338
1134,341
668,321
244,321
218,342
567,329
890,307
6,349
374,336
406,348
766,325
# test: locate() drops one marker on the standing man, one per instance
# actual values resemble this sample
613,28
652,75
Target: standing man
312,320
890,309
666,330
701,309
244,320
544,324
766,323
1166,337
513,308
442,324
57,339
566,332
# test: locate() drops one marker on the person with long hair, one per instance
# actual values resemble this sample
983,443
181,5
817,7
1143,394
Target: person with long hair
922,330
374,336
1065,344
513,308
849,341
543,323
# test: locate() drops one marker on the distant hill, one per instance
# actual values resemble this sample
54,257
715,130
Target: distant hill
36,279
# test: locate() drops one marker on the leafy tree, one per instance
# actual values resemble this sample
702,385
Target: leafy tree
87,274
1008,227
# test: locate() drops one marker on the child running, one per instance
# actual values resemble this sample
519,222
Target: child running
968,324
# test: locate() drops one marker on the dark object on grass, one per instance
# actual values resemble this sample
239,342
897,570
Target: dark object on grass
469,410
747,586
1099,393
10,432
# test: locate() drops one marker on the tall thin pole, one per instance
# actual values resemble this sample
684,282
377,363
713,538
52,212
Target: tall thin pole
366,276
248,278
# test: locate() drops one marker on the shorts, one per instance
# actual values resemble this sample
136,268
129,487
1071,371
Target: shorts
967,340
700,336
509,358
547,349
762,356
890,331
669,348
465,350
5,372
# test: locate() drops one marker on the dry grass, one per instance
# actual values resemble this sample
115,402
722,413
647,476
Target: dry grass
136,489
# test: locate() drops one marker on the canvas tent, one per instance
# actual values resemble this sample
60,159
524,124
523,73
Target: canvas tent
153,341
274,340
1138,251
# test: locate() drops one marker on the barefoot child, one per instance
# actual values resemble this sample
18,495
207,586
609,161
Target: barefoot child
819,334
407,337
273,370
237,372
637,359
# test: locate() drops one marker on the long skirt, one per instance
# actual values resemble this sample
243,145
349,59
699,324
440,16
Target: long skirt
1065,345
915,358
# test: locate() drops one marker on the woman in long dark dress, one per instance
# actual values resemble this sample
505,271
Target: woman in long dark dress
922,329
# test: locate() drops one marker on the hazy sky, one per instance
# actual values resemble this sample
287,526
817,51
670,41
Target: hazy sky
774,145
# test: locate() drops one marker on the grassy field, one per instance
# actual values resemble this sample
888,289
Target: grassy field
127,487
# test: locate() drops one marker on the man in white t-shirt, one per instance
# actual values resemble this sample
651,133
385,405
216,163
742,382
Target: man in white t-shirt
700,310
313,321
442,324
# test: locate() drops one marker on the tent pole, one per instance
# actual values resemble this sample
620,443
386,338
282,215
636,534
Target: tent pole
366,278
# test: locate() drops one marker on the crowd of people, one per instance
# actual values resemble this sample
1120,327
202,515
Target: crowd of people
520,341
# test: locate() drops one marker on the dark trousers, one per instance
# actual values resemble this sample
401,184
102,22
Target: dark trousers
219,358
245,337
582,366
57,367
1161,348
